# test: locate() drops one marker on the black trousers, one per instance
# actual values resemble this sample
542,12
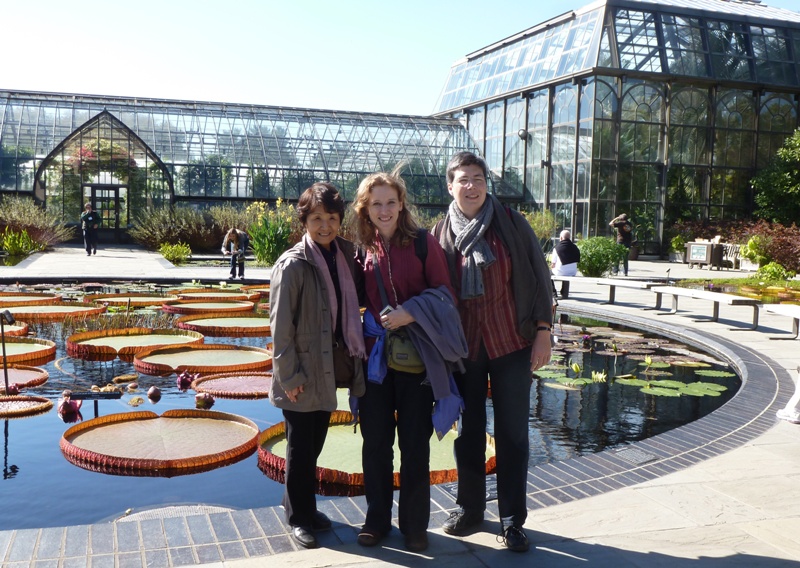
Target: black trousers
305,435
405,394
90,240
511,390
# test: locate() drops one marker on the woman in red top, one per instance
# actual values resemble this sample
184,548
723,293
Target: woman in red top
386,229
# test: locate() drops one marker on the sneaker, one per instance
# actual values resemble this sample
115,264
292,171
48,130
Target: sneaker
369,537
463,522
514,538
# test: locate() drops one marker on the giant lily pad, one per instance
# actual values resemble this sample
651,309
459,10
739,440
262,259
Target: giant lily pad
221,325
217,294
262,289
107,344
205,307
135,300
235,385
55,311
162,361
659,391
28,298
340,461
175,443
29,350
24,377
16,406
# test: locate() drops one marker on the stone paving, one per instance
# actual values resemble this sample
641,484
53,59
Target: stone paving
722,491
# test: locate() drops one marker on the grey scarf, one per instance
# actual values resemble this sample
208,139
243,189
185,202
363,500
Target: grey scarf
472,246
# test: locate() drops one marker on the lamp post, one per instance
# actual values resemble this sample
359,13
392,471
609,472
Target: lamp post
5,318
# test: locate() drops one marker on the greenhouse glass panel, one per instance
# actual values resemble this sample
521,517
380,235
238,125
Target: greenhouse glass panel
637,41
771,55
728,44
683,41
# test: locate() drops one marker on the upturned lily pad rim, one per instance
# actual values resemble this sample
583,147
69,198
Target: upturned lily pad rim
137,298
274,465
141,364
185,306
79,309
18,329
41,298
88,459
78,349
187,322
44,405
216,294
40,377
46,353
205,384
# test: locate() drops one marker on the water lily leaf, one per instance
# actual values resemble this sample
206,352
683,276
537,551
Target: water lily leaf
549,374
631,382
656,364
656,373
659,391
666,383
690,364
712,373
559,386
708,386
697,391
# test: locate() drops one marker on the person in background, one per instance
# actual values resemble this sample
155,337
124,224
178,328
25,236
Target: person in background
624,229
397,400
315,321
235,244
90,222
505,298
566,257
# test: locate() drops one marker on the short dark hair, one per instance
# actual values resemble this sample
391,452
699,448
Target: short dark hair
321,193
465,159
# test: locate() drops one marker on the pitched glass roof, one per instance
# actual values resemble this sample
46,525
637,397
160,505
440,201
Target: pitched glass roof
735,40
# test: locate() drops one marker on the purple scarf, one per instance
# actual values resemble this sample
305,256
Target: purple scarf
351,315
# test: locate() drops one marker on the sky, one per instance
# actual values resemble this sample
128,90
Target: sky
360,55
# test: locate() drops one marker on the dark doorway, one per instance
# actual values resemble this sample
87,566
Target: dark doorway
111,202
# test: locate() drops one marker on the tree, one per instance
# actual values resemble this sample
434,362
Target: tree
777,187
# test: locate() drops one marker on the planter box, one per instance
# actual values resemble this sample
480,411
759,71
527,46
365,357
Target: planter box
748,265
677,257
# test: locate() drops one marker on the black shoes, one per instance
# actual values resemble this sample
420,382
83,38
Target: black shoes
514,538
304,536
320,521
368,537
463,522
417,542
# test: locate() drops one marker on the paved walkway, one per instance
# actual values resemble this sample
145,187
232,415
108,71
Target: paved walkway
723,491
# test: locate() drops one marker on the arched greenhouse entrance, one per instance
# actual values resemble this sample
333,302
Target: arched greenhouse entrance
103,162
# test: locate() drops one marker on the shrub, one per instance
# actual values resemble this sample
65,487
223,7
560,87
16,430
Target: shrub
19,244
177,253
756,250
273,232
599,255
43,227
544,225
677,244
773,272
173,226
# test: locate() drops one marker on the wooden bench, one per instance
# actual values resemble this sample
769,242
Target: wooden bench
566,280
716,297
789,310
613,283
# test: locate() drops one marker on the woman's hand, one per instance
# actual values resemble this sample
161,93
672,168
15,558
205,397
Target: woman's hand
397,318
292,394
541,350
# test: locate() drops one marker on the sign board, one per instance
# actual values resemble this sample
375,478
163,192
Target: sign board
699,252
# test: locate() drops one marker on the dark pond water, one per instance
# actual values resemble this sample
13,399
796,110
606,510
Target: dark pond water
41,488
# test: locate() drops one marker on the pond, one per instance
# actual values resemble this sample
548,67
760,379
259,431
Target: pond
41,488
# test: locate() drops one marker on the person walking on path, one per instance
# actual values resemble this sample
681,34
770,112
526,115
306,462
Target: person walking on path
90,222
566,257
317,335
235,244
505,298
400,288
624,229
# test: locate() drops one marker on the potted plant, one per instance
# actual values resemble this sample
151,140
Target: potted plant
677,249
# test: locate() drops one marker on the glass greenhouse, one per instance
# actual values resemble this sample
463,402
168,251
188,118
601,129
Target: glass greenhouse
128,155
662,110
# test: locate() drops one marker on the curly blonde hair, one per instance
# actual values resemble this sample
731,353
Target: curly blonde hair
364,230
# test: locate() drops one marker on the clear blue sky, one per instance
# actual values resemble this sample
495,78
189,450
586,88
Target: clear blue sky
368,55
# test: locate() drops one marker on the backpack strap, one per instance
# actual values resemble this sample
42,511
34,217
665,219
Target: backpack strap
421,245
